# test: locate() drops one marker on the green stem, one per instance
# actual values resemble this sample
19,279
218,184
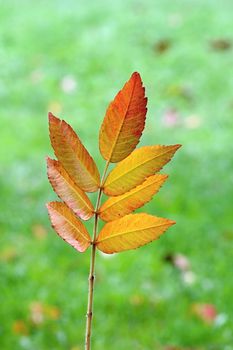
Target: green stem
91,278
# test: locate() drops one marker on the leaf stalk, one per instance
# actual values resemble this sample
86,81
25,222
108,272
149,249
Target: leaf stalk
91,278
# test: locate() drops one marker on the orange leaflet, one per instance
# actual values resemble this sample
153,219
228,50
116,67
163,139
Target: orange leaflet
140,164
131,232
68,226
73,155
124,121
116,207
68,191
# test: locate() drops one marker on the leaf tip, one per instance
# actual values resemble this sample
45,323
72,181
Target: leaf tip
53,205
47,158
48,205
52,118
135,75
50,161
177,146
171,222
164,176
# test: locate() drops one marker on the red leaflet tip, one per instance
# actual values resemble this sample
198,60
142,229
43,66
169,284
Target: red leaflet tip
178,146
52,117
51,205
49,160
136,75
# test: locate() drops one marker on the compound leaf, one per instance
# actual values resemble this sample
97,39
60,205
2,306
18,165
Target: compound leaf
124,121
68,191
131,232
68,226
116,207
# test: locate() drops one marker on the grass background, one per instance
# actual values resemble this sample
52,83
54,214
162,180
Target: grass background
71,57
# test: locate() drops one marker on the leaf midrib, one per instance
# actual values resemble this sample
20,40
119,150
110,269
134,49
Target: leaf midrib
73,187
139,165
129,194
129,232
71,224
89,174
123,120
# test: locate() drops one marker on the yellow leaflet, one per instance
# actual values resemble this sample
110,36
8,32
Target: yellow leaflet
131,232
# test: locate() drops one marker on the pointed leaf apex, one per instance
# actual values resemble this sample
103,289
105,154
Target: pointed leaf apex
49,204
51,116
178,145
136,75
46,158
171,222
53,119
51,162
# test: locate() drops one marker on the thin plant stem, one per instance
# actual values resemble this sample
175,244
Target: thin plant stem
91,278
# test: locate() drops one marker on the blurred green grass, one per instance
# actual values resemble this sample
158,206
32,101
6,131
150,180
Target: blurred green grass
71,58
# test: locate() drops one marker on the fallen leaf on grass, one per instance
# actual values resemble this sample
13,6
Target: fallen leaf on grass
52,312
40,312
179,90
179,261
171,118
20,327
37,313
39,231
162,46
8,254
136,300
228,235
221,44
205,312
